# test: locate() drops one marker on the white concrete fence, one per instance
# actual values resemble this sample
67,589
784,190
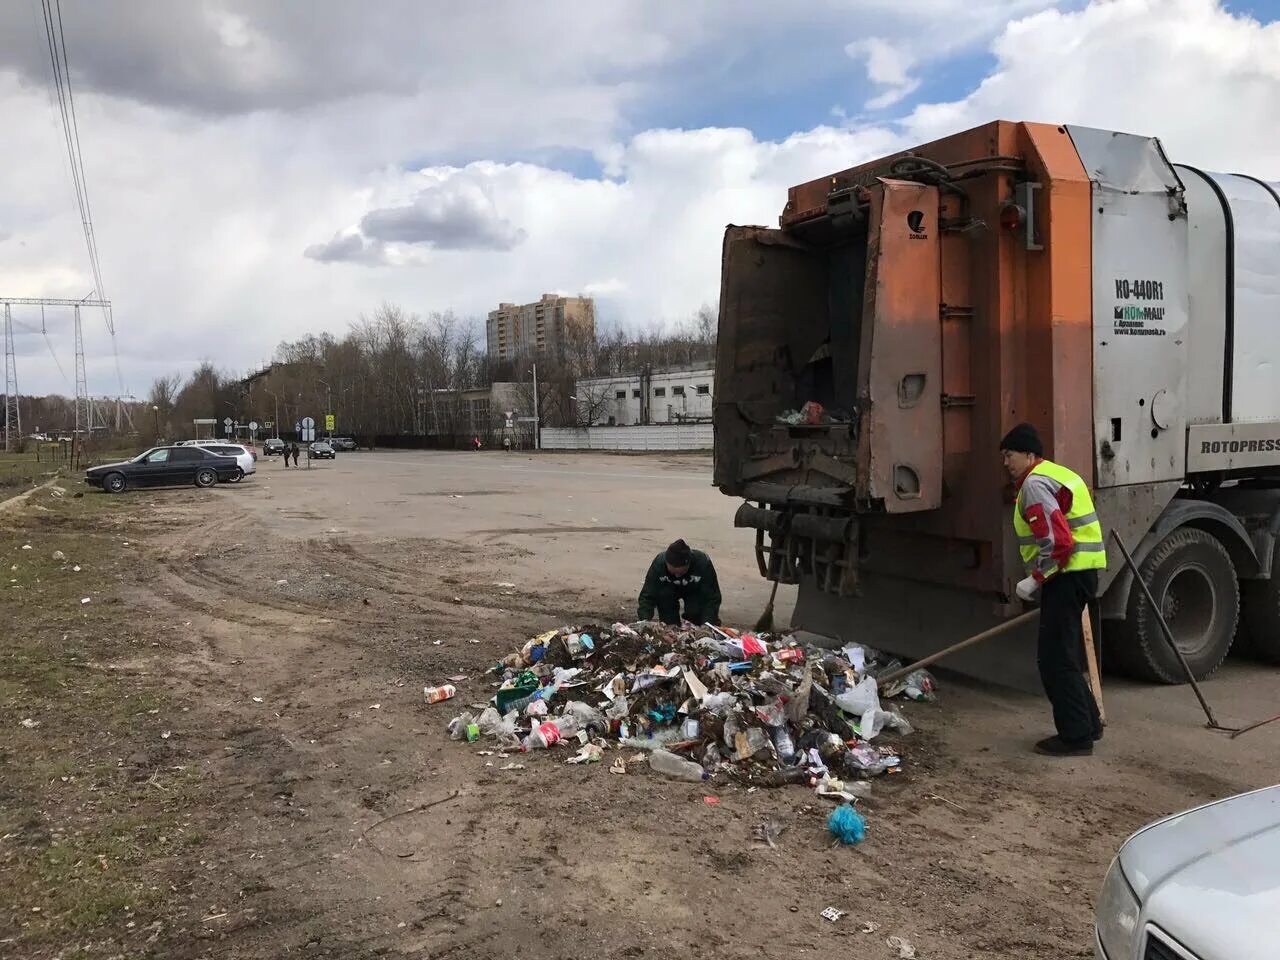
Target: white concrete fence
656,436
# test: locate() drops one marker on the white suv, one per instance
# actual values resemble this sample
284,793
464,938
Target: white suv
244,458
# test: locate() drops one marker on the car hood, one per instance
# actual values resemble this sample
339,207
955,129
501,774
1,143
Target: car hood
104,467
1210,877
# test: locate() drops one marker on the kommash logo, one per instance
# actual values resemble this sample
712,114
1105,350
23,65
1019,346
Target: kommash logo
915,224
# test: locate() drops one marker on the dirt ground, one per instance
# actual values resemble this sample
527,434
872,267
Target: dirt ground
228,754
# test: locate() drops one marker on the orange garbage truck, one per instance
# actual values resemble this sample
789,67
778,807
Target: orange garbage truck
907,312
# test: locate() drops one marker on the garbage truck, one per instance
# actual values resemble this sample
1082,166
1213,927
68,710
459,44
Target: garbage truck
905,313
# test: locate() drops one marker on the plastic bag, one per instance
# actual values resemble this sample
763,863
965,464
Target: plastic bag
584,713
921,685
773,714
860,699
458,726
494,724
719,704
875,721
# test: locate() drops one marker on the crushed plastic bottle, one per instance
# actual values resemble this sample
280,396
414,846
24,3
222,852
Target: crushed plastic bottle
669,765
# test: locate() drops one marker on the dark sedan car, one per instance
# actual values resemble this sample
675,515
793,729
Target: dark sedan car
164,466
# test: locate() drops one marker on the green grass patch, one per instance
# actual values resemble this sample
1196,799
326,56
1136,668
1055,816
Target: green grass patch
95,806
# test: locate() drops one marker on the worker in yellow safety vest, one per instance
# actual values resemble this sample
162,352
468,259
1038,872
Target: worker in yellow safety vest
1060,540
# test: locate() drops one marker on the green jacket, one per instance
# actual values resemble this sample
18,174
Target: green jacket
698,589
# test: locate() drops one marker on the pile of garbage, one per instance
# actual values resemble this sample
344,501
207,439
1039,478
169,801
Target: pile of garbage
699,702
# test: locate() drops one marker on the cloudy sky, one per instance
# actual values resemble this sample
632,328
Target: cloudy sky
261,170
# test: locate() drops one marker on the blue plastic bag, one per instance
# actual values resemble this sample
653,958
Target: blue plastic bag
846,825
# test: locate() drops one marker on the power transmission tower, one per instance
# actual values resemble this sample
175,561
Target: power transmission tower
84,404
12,412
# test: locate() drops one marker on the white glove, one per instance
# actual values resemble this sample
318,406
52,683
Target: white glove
1028,588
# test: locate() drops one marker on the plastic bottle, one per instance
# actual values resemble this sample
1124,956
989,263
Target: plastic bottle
782,741
436,694
551,732
669,765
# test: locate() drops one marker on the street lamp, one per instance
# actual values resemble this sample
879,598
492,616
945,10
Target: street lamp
156,410
328,402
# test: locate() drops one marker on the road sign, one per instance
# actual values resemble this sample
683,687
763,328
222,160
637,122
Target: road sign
308,429
253,424
328,422
297,427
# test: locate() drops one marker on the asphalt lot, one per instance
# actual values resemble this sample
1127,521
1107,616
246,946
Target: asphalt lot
589,520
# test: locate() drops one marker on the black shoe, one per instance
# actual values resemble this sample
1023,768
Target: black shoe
1057,747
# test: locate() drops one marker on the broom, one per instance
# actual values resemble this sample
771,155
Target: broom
765,623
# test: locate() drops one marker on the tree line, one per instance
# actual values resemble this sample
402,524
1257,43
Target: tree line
397,373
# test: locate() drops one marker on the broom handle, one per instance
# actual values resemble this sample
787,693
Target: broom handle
933,658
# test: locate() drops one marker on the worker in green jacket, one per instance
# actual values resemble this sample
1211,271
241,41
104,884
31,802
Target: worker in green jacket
680,574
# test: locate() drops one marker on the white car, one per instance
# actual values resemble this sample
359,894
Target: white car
1200,885
246,460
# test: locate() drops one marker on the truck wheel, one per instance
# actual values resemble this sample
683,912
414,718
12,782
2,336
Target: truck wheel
1193,579
1260,614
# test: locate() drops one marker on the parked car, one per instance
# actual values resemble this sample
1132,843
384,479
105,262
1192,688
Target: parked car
244,457
1200,885
323,450
273,447
342,443
165,466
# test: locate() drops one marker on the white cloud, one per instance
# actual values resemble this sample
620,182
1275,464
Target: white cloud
226,228
888,65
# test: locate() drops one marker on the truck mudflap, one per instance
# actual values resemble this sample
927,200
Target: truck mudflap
803,531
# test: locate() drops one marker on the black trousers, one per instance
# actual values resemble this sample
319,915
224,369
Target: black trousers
1060,654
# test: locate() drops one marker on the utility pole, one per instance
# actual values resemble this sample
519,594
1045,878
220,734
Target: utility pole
276,422
537,412
12,412
84,406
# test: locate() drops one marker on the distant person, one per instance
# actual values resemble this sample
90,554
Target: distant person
676,575
506,444
295,454
475,443
285,452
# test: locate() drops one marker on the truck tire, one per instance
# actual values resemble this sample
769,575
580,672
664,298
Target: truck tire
1191,576
1260,614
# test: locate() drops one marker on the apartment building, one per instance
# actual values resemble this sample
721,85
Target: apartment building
539,329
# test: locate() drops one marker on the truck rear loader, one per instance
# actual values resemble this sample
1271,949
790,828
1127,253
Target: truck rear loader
907,312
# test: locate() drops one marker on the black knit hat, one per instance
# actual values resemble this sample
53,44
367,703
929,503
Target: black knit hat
679,554
1023,439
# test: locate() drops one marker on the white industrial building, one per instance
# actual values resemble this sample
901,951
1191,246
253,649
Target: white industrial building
670,395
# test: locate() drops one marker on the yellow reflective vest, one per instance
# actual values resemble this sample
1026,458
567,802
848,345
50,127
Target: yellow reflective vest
1042,549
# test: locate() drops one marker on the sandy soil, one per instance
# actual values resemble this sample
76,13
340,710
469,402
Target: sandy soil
297,616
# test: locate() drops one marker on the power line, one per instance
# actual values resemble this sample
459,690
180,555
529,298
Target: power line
57,44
